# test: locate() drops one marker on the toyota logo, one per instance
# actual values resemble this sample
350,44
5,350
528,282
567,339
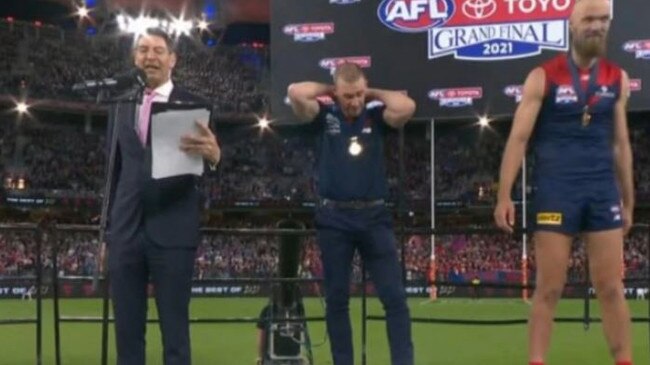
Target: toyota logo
479,9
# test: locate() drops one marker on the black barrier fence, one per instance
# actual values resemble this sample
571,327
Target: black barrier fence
48,234
40,236
83,287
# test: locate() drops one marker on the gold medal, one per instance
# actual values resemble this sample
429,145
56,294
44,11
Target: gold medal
355,147
586,117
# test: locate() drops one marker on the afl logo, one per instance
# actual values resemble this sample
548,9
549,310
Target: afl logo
514,91
479,9
640,48
414,16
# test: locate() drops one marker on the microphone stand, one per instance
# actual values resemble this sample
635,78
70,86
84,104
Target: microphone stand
100,272
108,188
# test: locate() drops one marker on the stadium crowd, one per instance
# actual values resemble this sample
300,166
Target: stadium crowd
459,258
256,166
279,166
275,166
46,67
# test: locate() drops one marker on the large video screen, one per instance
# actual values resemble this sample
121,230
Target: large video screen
456,58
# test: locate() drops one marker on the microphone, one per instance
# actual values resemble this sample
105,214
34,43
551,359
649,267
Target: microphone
130,78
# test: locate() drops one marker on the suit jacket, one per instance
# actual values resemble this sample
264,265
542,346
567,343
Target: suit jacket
166,209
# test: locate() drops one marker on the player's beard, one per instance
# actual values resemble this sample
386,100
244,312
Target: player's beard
591,47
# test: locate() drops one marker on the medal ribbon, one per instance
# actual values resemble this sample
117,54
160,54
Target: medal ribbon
586,97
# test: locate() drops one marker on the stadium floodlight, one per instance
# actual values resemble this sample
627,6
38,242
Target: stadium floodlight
21,107
136,26
121,22
484,121
140,25
174,26
180,26
263,122
82,12
203,25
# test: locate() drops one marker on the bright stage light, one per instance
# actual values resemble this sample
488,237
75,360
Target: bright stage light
22,107
203,25
82,12
263,122
181,27
484,121
174,26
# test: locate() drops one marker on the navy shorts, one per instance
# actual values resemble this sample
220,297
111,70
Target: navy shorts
572,208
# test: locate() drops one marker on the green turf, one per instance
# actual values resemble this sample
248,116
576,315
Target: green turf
233,344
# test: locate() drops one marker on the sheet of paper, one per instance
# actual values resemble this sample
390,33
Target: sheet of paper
167,128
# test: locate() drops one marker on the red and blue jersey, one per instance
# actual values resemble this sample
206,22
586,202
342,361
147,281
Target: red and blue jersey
565,147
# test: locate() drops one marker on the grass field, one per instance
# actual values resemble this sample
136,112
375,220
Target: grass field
233,344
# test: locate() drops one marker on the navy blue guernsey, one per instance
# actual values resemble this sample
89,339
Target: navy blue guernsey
343,176
564,147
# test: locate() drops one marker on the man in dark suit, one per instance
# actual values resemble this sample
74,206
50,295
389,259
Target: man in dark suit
153,226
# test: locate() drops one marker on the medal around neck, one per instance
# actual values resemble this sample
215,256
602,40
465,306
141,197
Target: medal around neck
355,148
586,117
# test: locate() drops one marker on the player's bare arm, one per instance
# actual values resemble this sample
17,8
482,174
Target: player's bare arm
522,128
623,153
399,107
302,96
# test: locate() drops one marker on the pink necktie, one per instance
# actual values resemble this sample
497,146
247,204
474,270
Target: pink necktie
145,113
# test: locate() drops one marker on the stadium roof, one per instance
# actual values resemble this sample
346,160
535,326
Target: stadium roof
244,20
47,11
58,11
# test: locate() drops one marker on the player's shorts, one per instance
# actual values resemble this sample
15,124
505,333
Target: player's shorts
576,207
